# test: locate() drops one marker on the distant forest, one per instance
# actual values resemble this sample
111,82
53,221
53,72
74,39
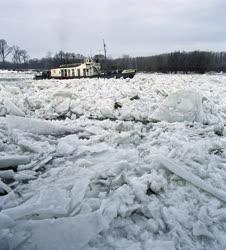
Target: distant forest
195,61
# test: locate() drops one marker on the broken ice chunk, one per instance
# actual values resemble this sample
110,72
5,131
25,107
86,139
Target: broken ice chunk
35,126
54,234
63,107
188,176
67,145
183,105
12,109
7,174
5,221
25,175
48,203
200,229
13,160
4,187
159,245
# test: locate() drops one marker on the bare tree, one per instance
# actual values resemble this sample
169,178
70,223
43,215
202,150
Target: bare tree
24,55
5,50
16,54
19,55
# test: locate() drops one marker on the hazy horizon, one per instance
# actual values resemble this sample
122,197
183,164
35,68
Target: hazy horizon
137,28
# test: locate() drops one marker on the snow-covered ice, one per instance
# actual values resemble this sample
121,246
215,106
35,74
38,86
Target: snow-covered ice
113,164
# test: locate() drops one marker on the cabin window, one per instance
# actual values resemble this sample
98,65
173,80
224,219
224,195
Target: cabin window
62,73
54,71
73,72
65,73
69,72
78,72
84,72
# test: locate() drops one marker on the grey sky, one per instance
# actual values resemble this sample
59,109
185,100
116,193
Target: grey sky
135,27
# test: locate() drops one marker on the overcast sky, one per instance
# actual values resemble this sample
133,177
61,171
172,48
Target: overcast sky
135,27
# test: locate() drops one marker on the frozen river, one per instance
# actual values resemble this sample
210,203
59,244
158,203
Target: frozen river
113,164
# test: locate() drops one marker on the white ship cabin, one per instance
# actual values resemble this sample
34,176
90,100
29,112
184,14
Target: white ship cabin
87,69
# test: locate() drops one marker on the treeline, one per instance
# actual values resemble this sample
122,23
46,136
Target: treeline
196,61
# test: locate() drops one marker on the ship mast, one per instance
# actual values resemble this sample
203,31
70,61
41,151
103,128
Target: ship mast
105,50
105,56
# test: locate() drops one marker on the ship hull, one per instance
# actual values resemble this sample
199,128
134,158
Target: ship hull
104,75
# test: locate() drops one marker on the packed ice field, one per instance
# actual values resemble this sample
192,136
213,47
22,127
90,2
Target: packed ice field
130,164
